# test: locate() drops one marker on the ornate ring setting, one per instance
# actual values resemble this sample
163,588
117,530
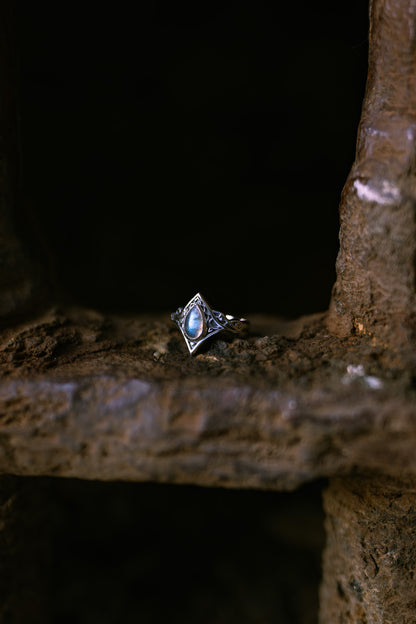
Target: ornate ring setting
198,322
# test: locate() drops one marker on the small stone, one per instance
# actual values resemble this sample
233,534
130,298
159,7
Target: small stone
194,323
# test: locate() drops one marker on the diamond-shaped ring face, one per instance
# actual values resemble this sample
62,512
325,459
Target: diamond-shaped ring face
198,322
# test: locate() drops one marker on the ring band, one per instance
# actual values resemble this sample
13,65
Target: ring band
198,322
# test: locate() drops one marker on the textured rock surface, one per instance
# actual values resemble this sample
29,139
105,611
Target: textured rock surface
370,556
375,288
86,396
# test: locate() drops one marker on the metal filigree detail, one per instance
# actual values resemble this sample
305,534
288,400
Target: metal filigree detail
214,322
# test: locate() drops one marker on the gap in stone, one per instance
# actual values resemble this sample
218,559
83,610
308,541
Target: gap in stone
170,149
107,553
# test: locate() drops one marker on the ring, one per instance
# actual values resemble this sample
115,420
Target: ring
198,322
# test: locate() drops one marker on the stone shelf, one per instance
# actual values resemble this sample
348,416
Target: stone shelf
119,398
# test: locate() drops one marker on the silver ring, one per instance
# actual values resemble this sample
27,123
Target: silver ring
198,322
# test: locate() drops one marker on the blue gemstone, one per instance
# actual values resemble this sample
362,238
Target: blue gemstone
194,323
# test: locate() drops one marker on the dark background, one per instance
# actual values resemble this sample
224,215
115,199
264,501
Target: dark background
128,553
173,148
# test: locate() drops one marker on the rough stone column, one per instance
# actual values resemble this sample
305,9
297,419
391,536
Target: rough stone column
370,556
375,287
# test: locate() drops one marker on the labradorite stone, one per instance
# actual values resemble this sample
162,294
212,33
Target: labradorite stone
194,323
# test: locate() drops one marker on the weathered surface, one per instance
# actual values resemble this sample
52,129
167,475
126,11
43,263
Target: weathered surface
370,556
375,288
120,398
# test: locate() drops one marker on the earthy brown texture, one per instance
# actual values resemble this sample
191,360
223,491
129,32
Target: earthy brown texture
375,288
370,557
95,397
